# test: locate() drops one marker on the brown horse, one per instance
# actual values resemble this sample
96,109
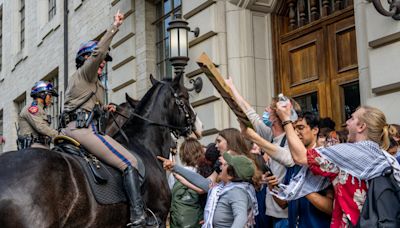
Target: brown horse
41,188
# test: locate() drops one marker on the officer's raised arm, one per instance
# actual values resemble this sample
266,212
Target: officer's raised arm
92,54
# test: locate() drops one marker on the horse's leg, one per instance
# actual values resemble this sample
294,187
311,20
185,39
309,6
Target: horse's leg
160,206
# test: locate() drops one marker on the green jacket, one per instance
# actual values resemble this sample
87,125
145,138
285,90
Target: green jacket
185,208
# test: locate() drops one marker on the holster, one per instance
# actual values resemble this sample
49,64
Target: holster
81,118
100,116
24,142
63,120
42,139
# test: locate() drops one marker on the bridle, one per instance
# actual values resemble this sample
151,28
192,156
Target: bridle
175,130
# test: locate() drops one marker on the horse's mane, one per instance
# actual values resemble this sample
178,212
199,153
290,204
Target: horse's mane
150,94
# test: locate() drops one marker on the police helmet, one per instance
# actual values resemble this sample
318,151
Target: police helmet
87,48
42,88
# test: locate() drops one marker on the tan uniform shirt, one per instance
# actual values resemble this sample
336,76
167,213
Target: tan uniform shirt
85,80
33,121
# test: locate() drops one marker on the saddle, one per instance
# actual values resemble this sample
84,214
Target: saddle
105,181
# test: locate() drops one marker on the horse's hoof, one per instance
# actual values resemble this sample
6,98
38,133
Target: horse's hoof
152,222
130,225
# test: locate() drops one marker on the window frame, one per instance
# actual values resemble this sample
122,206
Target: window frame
22,24
54,109
52,6
163,66
1,38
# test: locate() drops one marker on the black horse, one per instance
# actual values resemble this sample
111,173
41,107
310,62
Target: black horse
41,188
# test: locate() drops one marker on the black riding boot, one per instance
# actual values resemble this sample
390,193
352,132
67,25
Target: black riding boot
132,188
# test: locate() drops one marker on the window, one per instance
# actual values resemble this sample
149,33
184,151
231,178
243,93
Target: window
351,96
308,102
22,24
104,81
1,38
54,110
166,10
52,9
20,102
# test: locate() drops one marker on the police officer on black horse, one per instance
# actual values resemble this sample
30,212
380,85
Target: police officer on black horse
34,124
83,108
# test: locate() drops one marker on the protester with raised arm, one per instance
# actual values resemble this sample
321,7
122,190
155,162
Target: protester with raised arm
348,165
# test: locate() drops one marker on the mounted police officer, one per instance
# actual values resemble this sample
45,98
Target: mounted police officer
84,105
34,123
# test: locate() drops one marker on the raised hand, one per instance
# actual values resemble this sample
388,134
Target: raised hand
247,132
229,82
283,111
118,19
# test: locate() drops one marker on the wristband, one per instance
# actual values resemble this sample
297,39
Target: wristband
286,122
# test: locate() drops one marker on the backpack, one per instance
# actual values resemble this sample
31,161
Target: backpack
186,210
382,205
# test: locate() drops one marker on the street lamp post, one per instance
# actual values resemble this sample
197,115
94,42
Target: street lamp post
179,55
178,37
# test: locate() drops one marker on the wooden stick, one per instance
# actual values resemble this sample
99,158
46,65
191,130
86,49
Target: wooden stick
212,73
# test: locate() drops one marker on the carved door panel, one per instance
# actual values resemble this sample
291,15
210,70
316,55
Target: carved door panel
343,68
316,56
304,70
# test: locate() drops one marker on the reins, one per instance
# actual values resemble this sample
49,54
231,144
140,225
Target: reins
172,128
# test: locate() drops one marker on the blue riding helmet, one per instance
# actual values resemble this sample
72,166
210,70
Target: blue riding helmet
87,48
43,87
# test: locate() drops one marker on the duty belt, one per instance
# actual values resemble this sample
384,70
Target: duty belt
42,139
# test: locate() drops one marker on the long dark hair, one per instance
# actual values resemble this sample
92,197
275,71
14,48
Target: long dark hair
235,141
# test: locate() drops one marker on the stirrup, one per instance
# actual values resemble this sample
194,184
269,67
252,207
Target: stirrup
136,226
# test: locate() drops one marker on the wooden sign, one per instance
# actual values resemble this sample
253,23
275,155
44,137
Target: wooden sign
209,69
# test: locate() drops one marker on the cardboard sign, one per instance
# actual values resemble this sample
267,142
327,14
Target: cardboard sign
209,69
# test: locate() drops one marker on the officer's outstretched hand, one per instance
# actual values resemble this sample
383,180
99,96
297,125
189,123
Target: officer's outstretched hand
118,19
110,108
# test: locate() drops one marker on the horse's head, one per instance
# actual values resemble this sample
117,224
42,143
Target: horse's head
178,112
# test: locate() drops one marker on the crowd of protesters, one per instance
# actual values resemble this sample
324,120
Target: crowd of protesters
283,172
290,169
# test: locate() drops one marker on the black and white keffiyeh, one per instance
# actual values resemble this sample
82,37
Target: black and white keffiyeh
216,192
363,160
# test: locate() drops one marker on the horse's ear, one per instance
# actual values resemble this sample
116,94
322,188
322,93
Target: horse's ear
132,102
153,80
178,81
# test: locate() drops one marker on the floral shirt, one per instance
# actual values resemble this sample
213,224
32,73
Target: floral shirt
350,193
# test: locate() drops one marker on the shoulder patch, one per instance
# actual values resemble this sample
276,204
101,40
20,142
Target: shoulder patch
33,109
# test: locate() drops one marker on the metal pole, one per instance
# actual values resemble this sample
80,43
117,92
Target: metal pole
65,44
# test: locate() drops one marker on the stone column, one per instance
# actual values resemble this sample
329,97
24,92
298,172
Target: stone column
145,45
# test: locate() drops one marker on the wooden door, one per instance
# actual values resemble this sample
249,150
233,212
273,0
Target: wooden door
316,56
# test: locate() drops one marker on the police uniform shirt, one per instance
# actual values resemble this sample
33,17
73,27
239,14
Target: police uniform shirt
33,120
86,80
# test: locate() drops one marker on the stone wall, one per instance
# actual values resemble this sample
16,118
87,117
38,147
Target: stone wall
239,42
44,49
378,46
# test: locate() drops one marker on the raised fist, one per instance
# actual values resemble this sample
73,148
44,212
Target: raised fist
118,19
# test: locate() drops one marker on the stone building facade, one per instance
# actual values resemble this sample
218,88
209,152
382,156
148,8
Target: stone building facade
236,34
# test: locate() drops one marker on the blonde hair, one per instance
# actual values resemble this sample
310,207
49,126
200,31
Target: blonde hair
377,128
